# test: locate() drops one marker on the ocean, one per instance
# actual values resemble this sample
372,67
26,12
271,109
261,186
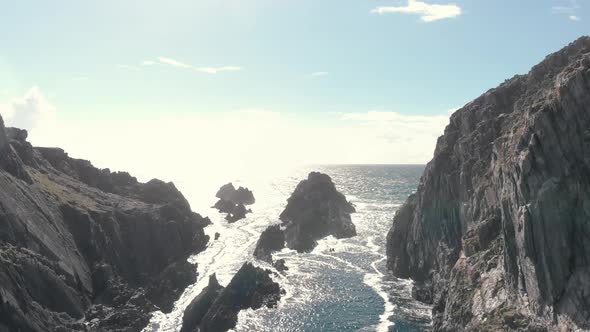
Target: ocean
342,285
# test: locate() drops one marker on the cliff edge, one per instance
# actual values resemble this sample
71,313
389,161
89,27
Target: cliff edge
497,235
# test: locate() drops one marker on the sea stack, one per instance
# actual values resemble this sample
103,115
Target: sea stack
315,210
499,229
85,248
233,202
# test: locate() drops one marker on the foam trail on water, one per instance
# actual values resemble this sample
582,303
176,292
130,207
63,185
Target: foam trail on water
340,284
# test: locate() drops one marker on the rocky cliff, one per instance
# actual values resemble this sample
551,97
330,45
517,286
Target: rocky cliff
84,249
498,233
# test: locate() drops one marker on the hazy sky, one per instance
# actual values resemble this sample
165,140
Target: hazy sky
220,82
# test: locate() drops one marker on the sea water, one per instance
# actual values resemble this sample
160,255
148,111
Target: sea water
342,285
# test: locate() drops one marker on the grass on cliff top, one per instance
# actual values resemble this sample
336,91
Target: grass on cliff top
61,192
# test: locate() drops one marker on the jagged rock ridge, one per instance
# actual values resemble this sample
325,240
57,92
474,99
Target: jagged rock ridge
83,245
498,231
216,308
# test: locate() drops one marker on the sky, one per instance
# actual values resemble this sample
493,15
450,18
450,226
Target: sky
162,88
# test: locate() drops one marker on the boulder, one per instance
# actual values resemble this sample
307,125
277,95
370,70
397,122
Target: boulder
280,265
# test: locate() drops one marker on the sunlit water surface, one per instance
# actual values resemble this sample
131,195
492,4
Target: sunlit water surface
344,289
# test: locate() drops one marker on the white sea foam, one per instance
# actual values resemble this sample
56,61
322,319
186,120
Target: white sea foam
311,277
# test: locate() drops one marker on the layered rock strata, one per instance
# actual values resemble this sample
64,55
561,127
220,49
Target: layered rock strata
83,248
498,233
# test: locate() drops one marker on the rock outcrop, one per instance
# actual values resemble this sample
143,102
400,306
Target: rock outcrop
272,239
87,249
280,265
233,202
498,231
229,193
216,308
193,314
315,210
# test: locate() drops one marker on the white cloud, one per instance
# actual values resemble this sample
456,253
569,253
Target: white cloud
396,138
427,12
208,70
173,62
200,151
29,111
569,10
319,73
179,64
215,70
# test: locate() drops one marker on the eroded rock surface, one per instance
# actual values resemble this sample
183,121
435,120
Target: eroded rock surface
229,193
233,202
500,223
315,210
272,239
193,314
79,244
216,308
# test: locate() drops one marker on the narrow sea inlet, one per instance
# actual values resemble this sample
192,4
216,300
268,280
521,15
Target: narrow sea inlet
342,285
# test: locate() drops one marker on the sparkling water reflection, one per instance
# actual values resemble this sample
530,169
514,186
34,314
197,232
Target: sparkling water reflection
343,284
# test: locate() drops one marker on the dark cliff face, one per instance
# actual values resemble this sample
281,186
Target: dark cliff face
82,244
500,223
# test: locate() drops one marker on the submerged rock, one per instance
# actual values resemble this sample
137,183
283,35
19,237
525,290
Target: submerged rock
79,243
500,221
272,239
315,210
216,308
233,202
